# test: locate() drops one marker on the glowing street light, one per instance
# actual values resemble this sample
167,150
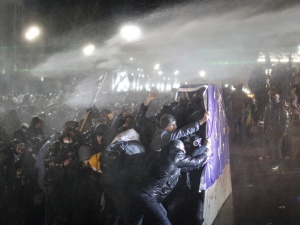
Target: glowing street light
130,32
156,66
88,49
202,73
32,33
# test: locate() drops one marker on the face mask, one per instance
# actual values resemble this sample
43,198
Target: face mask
68,141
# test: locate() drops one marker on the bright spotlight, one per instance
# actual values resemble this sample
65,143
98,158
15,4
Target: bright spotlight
32,33
88,50
160,72
176,72
202,73
130,32
156,66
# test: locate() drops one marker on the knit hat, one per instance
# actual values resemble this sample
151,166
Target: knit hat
166,119
35,120
24,125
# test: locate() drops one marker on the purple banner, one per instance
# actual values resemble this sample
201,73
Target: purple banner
218,133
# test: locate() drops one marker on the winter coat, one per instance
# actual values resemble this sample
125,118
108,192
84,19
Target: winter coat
275,119
238,101
33,132
146,126
162,137
19,171
121,158
164,171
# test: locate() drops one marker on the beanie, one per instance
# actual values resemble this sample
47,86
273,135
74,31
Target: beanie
25,125
166,119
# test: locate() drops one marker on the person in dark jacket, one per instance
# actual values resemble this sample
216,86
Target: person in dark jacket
109,116
161,177
185,204
19,134
11,121
20,179
146,126
85,198
180,110
58,167
237,102
168,131
35,129
116,163
96,143
276,123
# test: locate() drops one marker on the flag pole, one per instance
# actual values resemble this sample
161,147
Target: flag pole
93,101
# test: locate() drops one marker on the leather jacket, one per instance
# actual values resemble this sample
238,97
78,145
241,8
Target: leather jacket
162,137
164,171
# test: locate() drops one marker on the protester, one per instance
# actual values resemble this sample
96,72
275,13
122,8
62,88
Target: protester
168,131
276,123
161,178
237,100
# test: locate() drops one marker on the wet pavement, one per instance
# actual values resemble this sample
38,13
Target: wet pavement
260,195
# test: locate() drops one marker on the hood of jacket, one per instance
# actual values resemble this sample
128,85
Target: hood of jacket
128,135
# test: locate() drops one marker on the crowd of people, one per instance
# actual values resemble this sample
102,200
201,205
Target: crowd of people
266,120
112,166
126,162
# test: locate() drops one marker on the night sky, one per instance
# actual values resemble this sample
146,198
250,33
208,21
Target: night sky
210,34
64,15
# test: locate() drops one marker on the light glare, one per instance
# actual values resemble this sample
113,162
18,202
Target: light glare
130,32
202,73
88,50
156,66
32,33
